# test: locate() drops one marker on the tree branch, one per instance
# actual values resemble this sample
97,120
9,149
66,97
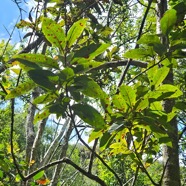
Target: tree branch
87,146
92,155
68,161
139,35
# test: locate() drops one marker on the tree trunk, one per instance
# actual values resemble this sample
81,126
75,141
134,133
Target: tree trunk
30,133
64,148
170,154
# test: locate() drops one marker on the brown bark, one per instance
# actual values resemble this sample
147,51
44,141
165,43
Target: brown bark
170,154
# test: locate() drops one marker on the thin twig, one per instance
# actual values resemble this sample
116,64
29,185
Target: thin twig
139,35
87,146
11,140
141,163
92,155
68,161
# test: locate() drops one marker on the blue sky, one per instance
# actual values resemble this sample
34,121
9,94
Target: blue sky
9,14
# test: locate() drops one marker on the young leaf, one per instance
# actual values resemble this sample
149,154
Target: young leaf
21,89
54,33
39,175
38,59
168,21
75,31
89,87
89,115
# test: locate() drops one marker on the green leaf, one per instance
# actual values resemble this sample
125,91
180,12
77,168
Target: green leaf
21,89
40,116
45,98
89,115
44,78
165,91
157,75
168,21
39,175
149,40
160,75
38,59
142,104
119,102
99,50
128,94
54,33
153,40
84,66
138,53
1,174
105,140
95,134
66,74
90,52
89,87
75,31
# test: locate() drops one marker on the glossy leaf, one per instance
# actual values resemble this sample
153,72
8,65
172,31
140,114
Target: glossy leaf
89,87
89,115
38,59
54,33
75,31
21,89
44,78
168,21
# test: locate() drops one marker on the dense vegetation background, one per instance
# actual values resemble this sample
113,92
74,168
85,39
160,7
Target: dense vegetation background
95,94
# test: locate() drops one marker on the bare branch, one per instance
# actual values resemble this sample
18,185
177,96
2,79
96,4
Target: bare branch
68,161
92,155
139,35
87,146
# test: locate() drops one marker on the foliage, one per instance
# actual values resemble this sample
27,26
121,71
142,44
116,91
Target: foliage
129,121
